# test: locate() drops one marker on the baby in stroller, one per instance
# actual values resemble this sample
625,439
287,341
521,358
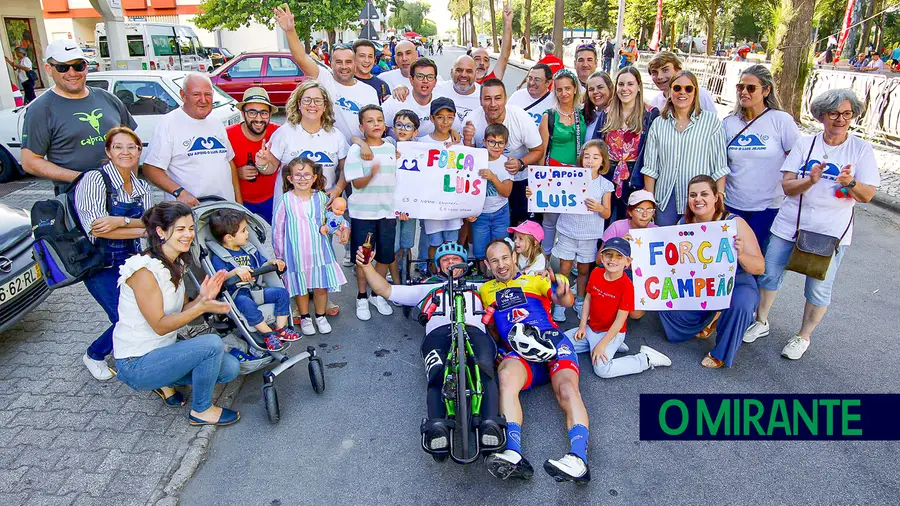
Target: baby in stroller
236,255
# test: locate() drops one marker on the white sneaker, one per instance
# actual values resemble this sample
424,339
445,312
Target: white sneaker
306,326
568,468
347,262
623,348
381,305
655,358
98,368
362,310
323,325
757,330
559,313
795,348
579,306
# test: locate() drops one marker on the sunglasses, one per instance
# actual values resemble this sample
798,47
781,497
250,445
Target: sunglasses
62,68
751,88
589,47
644,212
688,89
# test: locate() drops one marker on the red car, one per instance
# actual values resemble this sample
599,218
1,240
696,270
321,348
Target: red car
274,71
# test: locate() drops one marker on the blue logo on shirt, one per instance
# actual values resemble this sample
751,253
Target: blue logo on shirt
206,146
347,105
316,156
750,141
536,118
829,170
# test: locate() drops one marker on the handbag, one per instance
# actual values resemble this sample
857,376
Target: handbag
31,75
813,251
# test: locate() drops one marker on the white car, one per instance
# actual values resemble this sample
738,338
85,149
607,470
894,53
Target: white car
147,95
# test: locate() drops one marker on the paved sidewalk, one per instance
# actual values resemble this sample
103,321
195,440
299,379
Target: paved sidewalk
67,439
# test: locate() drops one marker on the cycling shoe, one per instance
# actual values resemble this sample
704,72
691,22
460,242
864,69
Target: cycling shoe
568,468
509,464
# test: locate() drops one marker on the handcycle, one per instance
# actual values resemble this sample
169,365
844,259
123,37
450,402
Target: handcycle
462,390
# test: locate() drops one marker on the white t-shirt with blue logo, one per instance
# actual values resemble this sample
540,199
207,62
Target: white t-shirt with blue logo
823,212
755,159
347,102
325,147
524,135
522,99
392,106
195,153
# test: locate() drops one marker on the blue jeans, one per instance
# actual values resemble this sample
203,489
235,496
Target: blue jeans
405,238
760,222
200,362
438,238
245,304
105,290
817,293
670,215
487,227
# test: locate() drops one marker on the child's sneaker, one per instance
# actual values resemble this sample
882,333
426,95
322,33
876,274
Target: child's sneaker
288,335
323,325
559,313
272,342
579,305
306,326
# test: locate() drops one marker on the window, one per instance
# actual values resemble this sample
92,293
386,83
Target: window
185,45
98,83
164,45
282,67
104,47
143,98
135,45
201,51
246,67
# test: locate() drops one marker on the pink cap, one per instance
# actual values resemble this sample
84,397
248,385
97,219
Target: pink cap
530,228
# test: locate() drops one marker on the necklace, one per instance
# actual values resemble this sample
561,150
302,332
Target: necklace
825,151
565,114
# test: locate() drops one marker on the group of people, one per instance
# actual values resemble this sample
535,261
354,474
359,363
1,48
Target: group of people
329,173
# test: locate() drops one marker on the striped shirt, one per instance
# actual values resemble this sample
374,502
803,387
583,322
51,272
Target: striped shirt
673,158
90,195
376,200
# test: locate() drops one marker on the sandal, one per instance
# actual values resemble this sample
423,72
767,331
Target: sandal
175,400
711,362
227,417
710,327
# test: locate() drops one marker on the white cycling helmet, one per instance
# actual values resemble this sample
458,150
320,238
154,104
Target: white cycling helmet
528,342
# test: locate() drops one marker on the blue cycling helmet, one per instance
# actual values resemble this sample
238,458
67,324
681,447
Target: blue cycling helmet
450,248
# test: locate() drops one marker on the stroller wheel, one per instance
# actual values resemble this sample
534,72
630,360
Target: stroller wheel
271,399
316,375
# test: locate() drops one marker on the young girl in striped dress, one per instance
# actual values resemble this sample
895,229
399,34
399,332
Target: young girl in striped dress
310,259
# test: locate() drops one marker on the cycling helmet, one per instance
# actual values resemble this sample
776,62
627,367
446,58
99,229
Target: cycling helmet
450,248
528,341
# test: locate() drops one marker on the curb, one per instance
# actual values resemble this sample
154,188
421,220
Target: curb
196,451
887,202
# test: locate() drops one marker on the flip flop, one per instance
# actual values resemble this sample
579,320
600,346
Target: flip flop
175,400
711,362
227,417
710,327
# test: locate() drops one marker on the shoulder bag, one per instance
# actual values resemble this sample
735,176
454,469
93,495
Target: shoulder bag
752,121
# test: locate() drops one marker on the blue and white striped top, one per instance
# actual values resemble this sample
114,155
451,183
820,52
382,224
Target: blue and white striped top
673,158
90,195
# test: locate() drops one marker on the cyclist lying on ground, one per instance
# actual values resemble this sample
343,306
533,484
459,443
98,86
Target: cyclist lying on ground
436,347
537,353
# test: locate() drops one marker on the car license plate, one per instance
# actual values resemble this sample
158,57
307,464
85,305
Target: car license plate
234,120
17,285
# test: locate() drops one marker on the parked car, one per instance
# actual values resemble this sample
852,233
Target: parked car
148,94
219,56
22,284
93,65
274,71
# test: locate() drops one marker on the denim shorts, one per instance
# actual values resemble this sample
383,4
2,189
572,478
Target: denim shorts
406,234
487,227
438,238
583,251
817,293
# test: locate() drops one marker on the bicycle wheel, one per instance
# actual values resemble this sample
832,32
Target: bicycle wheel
463,415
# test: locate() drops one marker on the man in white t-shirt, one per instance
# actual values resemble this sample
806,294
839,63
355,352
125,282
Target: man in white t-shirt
189,155
876,65
523,147
348,94
662,67
423,78
462,89
404,56
537,97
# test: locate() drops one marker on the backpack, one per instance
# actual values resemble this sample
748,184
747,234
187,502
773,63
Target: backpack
61,246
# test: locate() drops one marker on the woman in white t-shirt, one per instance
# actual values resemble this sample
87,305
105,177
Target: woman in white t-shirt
825,175
152,309
309,131
760,135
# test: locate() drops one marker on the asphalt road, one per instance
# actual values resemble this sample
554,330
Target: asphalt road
358,443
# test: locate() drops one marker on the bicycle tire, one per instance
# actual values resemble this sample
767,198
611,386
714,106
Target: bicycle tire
463,416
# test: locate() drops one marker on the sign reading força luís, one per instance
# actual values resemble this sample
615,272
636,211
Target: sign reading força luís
684,267
439,183
558,189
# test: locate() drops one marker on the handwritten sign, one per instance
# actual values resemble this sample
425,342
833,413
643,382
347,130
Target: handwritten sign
434,182
558,189
684,267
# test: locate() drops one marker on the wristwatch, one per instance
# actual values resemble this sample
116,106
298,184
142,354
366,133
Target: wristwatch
127,220
177,191
852,184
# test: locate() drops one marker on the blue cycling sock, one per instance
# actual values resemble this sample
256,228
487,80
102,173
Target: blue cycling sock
514,437
578,441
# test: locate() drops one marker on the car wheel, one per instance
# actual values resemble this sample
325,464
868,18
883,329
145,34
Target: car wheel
9,168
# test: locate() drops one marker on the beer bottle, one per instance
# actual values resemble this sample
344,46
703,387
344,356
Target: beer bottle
251,162
367,248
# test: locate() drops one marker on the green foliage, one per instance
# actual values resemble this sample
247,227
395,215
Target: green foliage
412,15
586,13
428,28
328,15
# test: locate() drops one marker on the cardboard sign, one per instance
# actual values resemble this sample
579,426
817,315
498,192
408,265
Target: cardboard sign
684,267
558,189
435,182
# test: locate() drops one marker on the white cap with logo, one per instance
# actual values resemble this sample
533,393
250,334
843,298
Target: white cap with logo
62,51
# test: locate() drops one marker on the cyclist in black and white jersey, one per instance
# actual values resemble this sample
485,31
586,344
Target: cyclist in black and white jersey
436,348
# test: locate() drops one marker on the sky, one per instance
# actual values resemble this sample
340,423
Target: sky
440,14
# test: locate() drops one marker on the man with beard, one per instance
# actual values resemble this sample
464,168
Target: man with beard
483,59
404,56
364,51
348,94
248,139
537,96
523,147
461,89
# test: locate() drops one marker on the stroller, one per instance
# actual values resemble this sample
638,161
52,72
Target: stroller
235,322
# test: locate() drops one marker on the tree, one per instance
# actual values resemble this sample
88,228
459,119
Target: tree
473,35
791,61
412,15
396,12
709,9
558,16
493,24
527,31
328,15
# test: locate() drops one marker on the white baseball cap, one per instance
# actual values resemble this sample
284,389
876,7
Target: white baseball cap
62,51
640,196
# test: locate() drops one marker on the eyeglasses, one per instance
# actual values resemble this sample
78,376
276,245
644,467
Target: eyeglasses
536,80
313,101
128,148
687,89
751,88
834,115
645,212
428,78
491,143
303,177
404,127
62,68
252,113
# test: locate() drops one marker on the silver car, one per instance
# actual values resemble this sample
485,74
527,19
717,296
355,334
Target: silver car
22,285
